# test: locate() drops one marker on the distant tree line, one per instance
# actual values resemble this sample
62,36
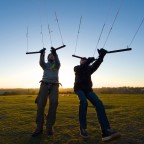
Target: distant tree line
18,91
120,90
103,90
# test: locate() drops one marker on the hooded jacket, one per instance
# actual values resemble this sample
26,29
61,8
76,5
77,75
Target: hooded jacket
83,74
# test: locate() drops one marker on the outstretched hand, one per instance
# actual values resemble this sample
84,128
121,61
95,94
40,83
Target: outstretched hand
102,52
42,50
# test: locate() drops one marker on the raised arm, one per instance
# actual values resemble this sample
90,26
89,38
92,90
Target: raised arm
97,63
57,61
42,59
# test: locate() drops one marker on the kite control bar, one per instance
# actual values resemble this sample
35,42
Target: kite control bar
120,50
79,57
45,49
59,47
35,52
114,51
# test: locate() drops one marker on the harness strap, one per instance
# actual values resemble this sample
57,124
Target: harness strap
50,83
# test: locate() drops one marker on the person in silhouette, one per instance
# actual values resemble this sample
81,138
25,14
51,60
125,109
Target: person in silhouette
83,88
49,88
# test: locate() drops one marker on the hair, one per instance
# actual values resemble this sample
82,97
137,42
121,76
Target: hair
83,58
49,55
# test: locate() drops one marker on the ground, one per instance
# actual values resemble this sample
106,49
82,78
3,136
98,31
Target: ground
125,113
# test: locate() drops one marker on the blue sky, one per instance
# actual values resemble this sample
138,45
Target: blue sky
18,70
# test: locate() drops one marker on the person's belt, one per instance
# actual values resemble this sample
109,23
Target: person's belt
50,83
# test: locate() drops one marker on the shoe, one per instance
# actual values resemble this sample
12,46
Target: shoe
83,133
37,132
50,131
110,134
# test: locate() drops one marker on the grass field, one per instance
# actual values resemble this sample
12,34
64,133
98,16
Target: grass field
125,113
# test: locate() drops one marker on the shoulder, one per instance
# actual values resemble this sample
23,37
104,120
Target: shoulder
76,66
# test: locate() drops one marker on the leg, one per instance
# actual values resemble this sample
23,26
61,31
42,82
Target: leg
41,102
107,132
101,114
53,103
82,113
82,109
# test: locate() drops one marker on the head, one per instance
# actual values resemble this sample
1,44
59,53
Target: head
51,57
83,60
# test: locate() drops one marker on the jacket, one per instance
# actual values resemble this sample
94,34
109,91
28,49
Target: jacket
83,74
50,69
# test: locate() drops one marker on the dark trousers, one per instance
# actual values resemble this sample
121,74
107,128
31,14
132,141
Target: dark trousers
97,103
46,92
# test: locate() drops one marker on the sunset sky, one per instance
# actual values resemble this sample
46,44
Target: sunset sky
18,70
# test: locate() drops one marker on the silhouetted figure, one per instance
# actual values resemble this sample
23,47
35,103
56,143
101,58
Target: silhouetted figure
83,88
49,88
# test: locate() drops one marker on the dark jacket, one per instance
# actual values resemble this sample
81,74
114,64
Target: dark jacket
83,74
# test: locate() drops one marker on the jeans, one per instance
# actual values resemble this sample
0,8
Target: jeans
97,103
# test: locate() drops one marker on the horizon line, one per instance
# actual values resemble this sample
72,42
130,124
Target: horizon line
92,88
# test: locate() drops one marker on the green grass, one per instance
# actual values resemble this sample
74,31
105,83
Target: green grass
125,113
